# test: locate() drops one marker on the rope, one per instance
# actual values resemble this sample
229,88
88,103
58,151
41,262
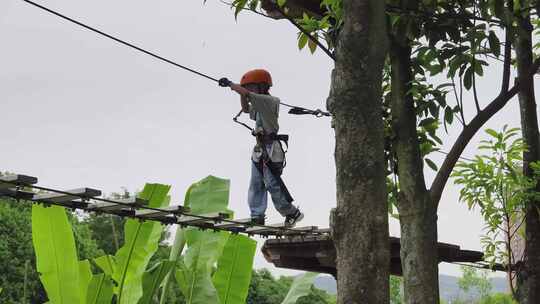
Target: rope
119,40
169,212
294,109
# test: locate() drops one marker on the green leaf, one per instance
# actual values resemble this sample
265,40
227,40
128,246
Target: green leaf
140,245
300,287
152,280
233,275
175,256
85,276
467,79
281,2
494,43
209,195
56,256
183,276
106,263
100,290
492,133
312,46
239,6
204,249
448,115
302,41
517,6
431,164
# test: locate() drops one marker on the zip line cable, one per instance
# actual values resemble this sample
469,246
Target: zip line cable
294,109
119,40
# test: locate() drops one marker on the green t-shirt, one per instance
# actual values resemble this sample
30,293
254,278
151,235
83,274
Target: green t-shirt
264,109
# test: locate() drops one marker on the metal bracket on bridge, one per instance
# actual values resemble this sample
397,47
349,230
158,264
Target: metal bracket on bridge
72,200
210,218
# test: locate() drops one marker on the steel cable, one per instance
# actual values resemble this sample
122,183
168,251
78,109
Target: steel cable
317,113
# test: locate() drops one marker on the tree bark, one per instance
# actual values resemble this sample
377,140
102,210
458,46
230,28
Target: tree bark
529,276
360,221
417,214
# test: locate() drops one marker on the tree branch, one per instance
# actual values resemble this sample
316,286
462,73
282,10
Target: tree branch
470,130
507,62
308,34
246,9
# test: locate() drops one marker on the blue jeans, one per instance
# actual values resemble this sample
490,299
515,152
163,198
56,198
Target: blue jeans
257,197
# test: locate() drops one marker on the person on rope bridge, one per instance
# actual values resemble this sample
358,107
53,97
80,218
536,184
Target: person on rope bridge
268,157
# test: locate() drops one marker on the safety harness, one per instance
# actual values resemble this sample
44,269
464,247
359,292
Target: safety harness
262,140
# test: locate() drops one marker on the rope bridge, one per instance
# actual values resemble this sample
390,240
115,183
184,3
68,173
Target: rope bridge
89,200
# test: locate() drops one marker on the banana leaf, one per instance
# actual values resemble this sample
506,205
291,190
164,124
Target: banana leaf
106,263
175,255
85,276
183,276
153,278
210,194
233,274
141,243
205,196
56,256
100,289
300,287
204,249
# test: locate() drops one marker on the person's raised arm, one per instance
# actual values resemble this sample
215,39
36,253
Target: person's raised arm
243,92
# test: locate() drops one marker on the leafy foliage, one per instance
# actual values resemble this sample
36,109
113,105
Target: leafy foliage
476,287
234,269
19,279
473,278
396,296
100,289
495,184
56,256
300,287
265,289
141,243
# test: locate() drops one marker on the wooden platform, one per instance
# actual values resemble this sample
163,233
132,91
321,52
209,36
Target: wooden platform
317,253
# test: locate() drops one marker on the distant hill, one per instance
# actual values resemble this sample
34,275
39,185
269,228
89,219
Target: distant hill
449,288
326,283
447,285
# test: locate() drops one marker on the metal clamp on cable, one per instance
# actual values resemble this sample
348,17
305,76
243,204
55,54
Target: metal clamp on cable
303,111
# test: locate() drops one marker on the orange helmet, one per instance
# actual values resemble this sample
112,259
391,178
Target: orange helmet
257,76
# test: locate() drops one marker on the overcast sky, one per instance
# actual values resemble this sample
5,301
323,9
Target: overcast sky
80,110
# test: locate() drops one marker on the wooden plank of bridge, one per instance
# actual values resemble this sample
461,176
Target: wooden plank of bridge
300,230
239,224
72,200
268,229
17,194
164,213
281,230
8,184
123,204
18,179
210,218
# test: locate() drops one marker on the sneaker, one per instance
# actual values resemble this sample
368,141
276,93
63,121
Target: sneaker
257,220
292,219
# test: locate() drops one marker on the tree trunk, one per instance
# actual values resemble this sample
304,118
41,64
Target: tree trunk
417,213
529,277
360,221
